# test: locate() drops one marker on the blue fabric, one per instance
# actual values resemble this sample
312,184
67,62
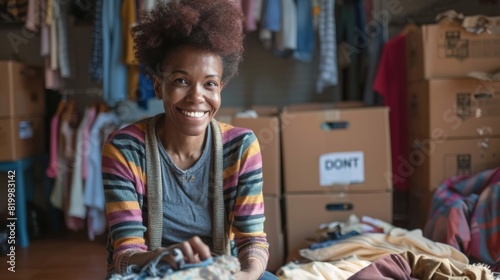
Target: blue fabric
305,31
268,276
333,241
95,68
219,267
272,15
146,90
114,71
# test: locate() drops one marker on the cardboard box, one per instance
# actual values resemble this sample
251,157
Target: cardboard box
333,149
275,237
21,137
266,128
327,208
431,162
21,90
447,50
454,108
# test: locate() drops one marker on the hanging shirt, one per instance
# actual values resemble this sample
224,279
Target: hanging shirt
104,124
286,39
272,15
390,83
53,159
305,31
128,17
248,8
76,205
96,63
328,75
114,71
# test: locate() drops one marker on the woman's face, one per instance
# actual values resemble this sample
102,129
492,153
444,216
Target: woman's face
190,89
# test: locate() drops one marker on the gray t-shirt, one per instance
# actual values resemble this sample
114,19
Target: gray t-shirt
187,209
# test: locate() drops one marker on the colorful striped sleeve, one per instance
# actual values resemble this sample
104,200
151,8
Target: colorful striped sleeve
124,180
243,187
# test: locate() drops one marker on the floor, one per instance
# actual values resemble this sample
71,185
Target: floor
66,256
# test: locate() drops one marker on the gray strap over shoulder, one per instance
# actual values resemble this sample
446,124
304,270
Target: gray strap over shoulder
154,187
219,225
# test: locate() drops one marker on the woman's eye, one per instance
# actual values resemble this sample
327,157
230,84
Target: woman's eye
211,84
181,81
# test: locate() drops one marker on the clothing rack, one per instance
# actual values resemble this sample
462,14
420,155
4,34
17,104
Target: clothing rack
83,91
83,96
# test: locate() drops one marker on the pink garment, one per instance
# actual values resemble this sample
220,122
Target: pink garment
86,138
390,83
45,40
248,8
52,77
32,16
68,154
53,161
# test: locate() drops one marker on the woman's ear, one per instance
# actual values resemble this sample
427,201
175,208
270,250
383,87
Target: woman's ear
157,87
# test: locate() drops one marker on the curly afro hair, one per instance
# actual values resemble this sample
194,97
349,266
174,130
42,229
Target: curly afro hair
214,25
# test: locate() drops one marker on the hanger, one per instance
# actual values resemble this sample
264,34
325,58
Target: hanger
103,107
69,111
60,107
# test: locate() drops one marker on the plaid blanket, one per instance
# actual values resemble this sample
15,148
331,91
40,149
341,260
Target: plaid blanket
465,213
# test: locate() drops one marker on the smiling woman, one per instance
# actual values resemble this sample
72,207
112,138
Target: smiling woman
182,183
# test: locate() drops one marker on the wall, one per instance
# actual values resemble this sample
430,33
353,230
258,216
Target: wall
264,79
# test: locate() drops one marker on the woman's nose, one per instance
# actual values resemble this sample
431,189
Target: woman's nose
196,94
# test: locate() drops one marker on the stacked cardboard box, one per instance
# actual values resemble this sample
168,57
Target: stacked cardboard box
266,127
336,162
21,110
454,120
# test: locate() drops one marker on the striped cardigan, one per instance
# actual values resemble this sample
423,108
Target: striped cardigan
125,187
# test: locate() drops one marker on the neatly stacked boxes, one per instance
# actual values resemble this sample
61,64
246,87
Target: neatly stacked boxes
266,127
336,162
21,111
454,120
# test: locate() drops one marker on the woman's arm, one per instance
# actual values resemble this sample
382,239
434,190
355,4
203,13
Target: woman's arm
248,210
124,190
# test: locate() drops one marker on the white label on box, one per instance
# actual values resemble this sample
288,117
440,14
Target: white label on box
25,129
341,168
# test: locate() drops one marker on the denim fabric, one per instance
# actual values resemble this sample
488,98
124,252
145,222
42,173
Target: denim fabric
272,15
221,267
146,90
268,276
333,241
305,31
114,71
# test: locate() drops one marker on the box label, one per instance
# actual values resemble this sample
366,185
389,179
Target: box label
453,45
25,129
464,166
341,168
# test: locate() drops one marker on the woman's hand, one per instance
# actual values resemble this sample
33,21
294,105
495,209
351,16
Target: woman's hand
193,250
251,269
